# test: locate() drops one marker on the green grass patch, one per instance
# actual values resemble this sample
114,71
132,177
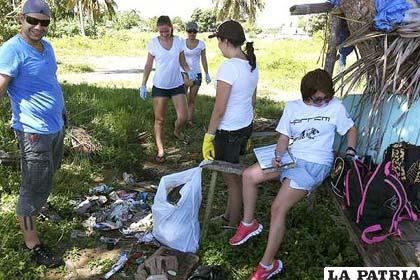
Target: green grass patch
114,117
74,68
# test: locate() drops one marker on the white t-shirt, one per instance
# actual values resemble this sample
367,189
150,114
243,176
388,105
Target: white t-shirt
239,111
167,74
312,129
192,56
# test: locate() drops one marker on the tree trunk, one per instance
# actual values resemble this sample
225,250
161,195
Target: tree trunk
331,56
361,11
81,19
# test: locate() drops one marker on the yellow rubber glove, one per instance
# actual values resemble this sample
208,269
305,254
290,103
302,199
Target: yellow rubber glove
208,147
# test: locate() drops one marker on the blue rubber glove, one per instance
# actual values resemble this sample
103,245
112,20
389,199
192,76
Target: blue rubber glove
208,79
143,92
192,75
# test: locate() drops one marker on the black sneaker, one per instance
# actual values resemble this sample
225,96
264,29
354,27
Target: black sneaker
44,257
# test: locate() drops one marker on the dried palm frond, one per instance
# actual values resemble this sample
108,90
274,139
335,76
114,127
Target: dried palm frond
81,141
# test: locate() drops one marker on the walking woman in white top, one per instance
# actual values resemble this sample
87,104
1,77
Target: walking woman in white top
231,121
194,49
168,52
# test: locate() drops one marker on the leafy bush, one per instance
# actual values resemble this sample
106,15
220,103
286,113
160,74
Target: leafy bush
127,20
67,27
206,19
9,25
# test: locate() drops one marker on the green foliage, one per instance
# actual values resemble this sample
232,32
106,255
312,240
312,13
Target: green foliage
251,29
317,23
127,20
65,27
238,10
178,23
205,18
8,22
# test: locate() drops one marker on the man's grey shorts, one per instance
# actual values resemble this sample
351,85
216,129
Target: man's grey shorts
41,156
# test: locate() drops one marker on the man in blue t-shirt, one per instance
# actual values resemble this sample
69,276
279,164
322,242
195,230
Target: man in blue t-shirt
28,74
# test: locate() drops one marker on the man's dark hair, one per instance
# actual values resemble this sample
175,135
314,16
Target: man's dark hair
315,80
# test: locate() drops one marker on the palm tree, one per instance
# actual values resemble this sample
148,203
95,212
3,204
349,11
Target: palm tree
238,9
92,9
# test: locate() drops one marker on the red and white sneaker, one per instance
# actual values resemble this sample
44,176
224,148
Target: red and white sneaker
261,273
243,233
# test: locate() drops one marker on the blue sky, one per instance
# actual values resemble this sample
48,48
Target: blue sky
275,12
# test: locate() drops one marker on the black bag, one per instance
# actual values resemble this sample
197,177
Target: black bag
211,272
383,205
405,158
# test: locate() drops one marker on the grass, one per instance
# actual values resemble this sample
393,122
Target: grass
114,117
282,63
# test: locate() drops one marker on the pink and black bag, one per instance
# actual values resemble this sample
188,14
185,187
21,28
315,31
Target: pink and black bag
383,205
375,197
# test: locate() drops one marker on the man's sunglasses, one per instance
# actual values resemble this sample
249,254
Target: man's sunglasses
35,21
319,100
192,31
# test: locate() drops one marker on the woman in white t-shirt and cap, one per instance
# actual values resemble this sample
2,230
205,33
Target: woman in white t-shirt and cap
310,123
231,121
168,52
194,50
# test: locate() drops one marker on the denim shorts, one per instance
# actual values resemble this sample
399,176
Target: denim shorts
41,156
229,145
163,92
197,81
306,175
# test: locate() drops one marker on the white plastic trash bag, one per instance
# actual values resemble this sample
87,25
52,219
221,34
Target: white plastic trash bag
177,225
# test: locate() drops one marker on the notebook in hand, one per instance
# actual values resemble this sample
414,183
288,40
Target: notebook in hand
266,154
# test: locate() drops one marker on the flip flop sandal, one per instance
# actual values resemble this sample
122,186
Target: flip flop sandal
160,159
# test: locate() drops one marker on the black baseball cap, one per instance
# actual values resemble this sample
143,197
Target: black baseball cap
230,30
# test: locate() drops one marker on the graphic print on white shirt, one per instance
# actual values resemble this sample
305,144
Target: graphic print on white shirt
167,74
239,111
193,56
312,129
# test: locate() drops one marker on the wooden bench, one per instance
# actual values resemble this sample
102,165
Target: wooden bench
222,166
395,251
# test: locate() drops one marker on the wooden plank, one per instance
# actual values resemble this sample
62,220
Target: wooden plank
209,205
315,8
223,166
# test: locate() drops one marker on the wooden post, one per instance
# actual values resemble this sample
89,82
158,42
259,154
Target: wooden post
315,8
331,56
209,202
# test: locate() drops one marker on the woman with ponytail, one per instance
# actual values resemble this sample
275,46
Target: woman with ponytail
231,121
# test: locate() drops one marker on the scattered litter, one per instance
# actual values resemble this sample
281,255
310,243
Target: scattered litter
48,213
107,225
77,234
83,207
118,265
147,238
145,224
101,189
171,272
109,240
129,179
136,258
